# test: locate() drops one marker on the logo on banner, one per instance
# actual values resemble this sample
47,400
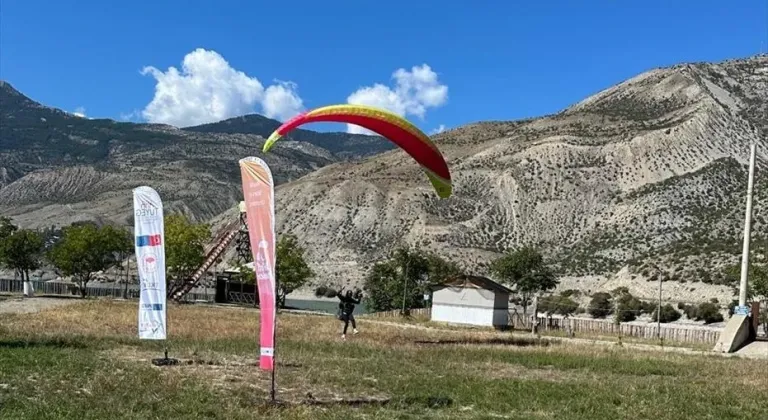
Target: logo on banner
152,306
150,264
146,210
149,240
153,326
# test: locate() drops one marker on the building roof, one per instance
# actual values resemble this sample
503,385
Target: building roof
235,269
476,282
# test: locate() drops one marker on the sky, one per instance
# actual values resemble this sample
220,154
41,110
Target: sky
441,64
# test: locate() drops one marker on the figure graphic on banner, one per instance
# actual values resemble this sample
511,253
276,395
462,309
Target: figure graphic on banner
148,267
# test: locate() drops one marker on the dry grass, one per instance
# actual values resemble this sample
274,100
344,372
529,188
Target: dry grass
84,361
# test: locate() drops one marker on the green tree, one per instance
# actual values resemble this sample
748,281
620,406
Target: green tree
245,274
184,245
21,250
407,273
292,269
601,305
628,307
526,271
440,270
86,249
558,304
758,282
6,227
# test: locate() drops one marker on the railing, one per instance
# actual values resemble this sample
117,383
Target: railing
584,326
113,290
398,312
678,333
240,298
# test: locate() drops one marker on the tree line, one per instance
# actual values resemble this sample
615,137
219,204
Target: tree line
400,282
408,274
83,249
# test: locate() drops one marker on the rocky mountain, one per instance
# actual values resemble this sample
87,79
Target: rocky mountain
641,180
57,168
341,144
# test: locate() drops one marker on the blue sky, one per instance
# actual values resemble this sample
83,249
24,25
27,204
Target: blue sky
499,60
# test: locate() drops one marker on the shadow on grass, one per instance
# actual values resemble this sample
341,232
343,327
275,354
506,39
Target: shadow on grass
351,402
45,342
432,401
204,362
511,341
19,296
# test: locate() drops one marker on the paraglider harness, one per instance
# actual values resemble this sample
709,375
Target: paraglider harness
341,314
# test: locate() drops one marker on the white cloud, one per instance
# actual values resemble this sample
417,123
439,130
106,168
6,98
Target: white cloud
79,112
208,89
281,101
414,92
133,116
438,130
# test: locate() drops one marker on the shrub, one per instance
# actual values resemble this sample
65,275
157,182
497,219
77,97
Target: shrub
570,293
709,313
628,307
601,305
732,307
649,307
321,291
691,312
668,314
560,305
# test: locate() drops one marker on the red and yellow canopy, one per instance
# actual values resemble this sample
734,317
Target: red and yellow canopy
395,128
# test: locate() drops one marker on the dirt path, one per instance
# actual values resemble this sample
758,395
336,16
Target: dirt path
19,305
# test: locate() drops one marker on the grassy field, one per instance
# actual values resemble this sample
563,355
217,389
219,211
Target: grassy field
83,361
615,338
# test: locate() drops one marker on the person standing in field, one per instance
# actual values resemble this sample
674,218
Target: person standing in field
347,308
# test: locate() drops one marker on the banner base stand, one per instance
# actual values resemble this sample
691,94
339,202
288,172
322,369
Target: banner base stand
165,361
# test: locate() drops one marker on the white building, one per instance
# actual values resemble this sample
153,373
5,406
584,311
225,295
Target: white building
471,300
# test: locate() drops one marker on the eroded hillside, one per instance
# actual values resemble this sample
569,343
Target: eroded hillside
649,175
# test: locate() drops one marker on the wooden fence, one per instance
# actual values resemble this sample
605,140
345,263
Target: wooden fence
677,333
396,313
588,326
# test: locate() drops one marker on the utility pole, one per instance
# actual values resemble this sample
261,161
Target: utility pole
658,312
405,278
743,285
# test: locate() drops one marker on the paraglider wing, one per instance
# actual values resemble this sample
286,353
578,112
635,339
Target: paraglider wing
398,130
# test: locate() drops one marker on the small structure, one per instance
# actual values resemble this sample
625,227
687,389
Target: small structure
471,300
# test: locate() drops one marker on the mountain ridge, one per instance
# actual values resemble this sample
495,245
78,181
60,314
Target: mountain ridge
341,144
58,167
639,181
645,178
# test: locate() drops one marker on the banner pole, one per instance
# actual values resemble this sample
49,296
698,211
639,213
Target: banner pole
273,392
